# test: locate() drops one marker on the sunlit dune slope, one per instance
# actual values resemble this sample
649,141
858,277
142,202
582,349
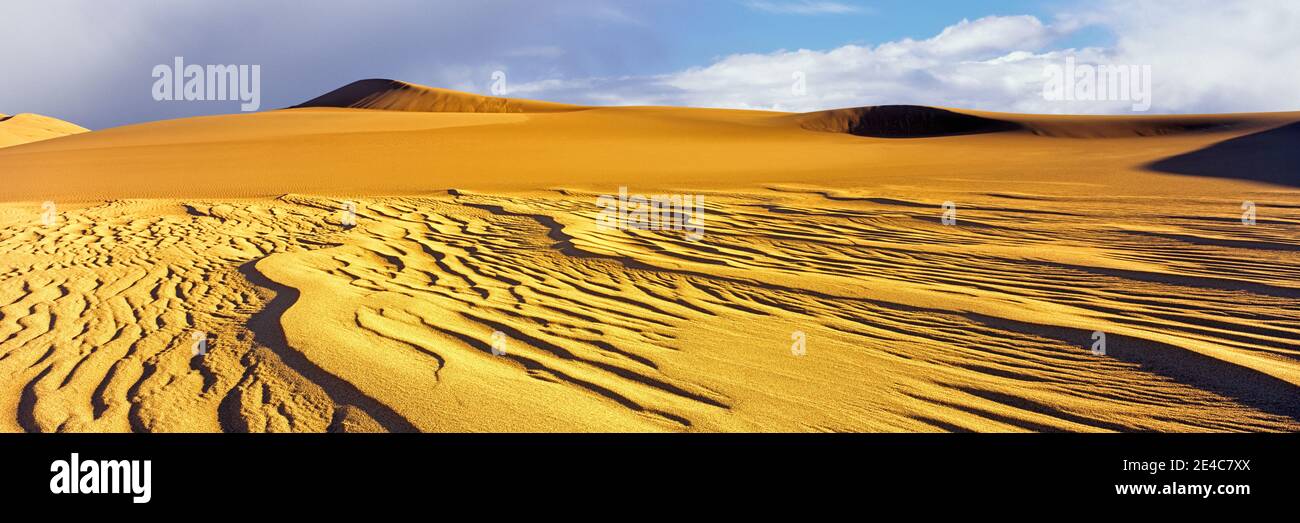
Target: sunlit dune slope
26,127
432,262
395,95
320,150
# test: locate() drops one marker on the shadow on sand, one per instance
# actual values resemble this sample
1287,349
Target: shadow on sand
268,331
1271,156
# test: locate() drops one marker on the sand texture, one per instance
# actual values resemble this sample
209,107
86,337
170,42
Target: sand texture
476,292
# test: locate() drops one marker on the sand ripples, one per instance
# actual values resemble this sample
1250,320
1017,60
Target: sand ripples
399,323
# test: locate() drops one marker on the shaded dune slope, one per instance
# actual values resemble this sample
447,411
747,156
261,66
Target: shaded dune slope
914,121
1147,126
902,121
1271,156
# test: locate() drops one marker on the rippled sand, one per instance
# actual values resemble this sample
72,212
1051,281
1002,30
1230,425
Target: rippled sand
910,325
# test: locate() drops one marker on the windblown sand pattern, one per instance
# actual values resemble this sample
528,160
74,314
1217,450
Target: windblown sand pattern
911,325
472,222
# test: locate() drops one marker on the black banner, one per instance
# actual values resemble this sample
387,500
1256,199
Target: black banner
187,470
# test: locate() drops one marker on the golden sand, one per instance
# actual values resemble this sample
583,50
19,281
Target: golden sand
27,127
477,216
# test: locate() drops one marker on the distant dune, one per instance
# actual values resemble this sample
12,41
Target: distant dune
1144,126
902,121
910,121
389,137
394,95
392,257
27,127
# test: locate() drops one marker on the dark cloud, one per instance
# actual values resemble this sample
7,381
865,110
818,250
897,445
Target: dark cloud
90,61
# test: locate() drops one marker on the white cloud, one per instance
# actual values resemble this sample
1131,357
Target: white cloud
1209,56
985,35
93,60
968,64
804,7
1205,56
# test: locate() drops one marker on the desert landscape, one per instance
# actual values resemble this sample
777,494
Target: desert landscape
395,257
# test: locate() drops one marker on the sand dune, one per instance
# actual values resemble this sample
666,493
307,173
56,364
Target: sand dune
26,128
903,121
395,95
907,121
477,228
333,151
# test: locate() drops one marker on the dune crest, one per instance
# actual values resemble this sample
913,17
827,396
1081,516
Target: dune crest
395,95
27,127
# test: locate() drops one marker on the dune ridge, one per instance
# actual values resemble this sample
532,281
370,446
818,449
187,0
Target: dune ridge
395,95
28,127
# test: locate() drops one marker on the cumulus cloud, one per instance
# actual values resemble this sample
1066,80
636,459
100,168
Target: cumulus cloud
1204,56
1213,56
989,62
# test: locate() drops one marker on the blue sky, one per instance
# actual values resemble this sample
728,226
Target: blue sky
89,61
746,29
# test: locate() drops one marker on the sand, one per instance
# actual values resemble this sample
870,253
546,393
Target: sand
476,223
27,127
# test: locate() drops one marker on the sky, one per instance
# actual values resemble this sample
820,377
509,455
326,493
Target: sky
91,62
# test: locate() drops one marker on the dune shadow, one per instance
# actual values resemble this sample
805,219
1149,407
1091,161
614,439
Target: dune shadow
1271,156
903,121
354,93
